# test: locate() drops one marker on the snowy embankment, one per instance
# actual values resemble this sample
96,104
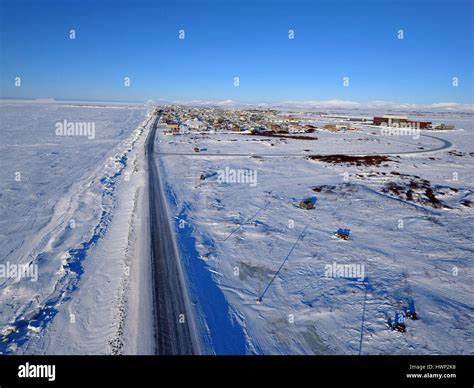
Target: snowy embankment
56,219
409,215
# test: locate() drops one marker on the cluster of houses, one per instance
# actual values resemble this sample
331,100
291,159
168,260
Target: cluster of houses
183,119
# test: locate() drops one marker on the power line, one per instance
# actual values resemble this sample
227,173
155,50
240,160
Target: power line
282,264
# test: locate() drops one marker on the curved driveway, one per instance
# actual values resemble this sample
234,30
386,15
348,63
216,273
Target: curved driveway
445,144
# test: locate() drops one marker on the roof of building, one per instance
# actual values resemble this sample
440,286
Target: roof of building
310,200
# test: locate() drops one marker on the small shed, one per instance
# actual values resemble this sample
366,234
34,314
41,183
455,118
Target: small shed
343,233
308,203
411,312
399,322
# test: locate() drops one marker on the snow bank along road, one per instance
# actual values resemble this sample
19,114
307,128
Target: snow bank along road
173,319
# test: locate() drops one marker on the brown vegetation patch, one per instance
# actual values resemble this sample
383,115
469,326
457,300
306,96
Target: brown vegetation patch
368,160
415,189
324,188
456,153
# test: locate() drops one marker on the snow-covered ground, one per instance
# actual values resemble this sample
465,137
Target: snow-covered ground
259,268
58,196
410,216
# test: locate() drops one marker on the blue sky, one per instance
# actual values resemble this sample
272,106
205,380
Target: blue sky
245,39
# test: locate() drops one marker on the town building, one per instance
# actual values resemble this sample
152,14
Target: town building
400,121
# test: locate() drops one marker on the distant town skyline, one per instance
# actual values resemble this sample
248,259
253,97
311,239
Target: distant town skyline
418,52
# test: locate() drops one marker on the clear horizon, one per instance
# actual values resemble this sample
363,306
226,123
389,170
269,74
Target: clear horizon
141,43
